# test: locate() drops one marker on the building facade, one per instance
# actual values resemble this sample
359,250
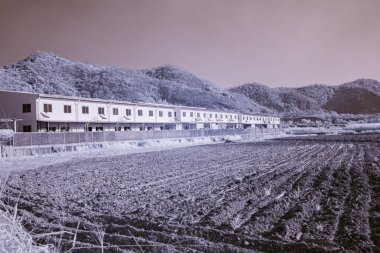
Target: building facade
41,112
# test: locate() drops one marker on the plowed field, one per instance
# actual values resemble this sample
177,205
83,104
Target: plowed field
312,194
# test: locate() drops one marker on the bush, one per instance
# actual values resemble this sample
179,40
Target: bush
362,128
6,136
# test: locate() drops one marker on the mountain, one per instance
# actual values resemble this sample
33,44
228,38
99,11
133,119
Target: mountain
278,99
358,97
48,73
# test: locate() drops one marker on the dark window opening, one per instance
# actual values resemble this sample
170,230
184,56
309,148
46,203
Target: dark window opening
100,110
48,108
26,108
27,128
85,110
67,108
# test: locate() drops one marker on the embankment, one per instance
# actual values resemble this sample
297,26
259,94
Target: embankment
28,144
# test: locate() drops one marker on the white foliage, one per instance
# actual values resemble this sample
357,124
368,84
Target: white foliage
363,127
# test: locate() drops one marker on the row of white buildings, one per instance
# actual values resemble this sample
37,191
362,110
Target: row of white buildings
40,112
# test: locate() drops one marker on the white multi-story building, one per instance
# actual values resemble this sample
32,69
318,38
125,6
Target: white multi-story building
201,118
248,120
41,112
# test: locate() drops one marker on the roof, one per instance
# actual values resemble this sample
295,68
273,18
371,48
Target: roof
8,120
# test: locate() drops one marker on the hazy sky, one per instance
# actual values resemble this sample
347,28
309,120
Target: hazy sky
228,42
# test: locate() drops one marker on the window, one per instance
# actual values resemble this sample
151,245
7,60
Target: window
115,111
191,114
160,114
139,112
128,112
169,114
48,108
67,109
198,115
127,128
221,116
85,110
204,115
98,128
210,115
183,114
27,128
100,110
216,116
26,108
235,116
150,113
226,116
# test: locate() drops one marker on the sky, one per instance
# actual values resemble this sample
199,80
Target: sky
228,42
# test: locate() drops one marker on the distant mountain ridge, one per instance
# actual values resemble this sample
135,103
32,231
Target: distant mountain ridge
358,97
48,73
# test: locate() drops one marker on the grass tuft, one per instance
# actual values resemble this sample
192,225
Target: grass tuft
14,238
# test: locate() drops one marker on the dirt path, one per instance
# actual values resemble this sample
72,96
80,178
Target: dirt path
311,194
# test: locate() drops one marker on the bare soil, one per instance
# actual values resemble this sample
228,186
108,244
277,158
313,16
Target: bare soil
304,194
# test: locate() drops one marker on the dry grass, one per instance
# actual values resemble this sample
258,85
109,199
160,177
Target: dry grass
14,238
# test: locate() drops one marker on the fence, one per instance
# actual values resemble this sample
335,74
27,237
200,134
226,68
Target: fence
53,138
